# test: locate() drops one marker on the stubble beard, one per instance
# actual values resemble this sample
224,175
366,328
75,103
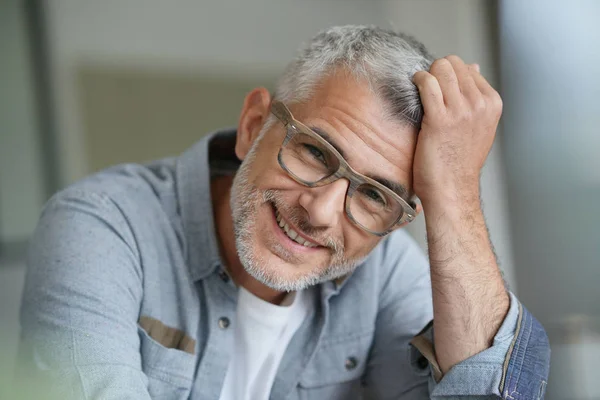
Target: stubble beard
245,201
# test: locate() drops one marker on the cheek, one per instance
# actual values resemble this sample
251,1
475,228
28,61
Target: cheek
358,242
266,173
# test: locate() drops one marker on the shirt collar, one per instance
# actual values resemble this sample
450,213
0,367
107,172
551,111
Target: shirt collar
194,195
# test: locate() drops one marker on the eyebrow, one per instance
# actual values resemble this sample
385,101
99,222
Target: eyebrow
328,139
395,187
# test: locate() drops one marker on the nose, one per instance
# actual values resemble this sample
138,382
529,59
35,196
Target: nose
325,204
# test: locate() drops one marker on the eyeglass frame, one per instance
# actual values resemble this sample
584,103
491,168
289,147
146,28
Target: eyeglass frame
344,170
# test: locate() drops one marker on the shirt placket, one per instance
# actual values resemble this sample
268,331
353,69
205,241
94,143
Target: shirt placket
303,345
219,296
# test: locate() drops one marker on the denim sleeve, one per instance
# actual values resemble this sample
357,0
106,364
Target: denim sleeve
515,367
81,302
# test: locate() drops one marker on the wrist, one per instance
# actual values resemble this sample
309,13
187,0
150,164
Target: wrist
449,201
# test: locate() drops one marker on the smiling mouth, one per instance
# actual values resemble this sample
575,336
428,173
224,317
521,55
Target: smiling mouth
291,233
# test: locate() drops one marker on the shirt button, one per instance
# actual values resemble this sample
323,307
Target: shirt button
224,277
224,322
351,363
422,362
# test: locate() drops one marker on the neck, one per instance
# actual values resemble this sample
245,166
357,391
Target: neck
220,193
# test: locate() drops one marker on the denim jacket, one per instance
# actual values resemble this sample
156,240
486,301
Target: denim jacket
126,298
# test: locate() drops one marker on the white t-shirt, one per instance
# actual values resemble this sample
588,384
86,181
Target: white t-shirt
262,333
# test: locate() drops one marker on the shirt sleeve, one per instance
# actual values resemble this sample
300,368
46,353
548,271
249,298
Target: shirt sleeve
515,367
83,289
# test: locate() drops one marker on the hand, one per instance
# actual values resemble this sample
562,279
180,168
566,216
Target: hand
461,114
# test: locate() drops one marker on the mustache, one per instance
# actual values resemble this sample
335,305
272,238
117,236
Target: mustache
298,218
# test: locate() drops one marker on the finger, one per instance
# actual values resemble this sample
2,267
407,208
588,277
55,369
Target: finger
430,92
487,90
467,85
443,71
482,84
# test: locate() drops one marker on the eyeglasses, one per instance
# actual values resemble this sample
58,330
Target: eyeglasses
312,161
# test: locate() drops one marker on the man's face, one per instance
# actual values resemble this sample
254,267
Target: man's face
269,207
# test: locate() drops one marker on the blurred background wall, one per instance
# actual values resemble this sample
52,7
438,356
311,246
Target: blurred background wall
135,80
550,58
21,178
22,191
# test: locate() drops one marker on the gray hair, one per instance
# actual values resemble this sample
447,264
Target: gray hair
385,59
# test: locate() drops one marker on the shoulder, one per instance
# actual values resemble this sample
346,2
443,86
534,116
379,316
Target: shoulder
133,202
133,190
137,182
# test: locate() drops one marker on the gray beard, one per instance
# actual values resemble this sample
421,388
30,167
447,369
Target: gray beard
244,201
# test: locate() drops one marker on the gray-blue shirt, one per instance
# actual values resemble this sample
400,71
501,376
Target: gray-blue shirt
126,297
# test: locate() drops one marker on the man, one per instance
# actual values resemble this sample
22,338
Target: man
288,276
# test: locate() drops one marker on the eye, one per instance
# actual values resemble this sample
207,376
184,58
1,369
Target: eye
316,153
373,195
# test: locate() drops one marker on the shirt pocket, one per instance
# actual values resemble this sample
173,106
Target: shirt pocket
337,369
170,372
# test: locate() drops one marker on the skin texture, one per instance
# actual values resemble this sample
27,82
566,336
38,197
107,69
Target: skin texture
470,301
441,165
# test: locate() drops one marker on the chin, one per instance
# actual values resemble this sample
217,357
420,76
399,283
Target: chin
277,261
270,265
276,268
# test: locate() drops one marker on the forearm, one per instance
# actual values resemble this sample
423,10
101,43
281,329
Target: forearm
469,297
470,302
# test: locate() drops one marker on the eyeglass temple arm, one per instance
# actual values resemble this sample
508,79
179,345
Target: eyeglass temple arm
280,111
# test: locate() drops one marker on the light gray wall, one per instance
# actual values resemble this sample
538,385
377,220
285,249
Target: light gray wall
21,185
550,58
12,277
21,180
235,37
551,122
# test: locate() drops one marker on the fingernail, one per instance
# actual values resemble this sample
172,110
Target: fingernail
477,67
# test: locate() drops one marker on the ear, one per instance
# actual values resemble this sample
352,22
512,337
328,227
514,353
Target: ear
255,112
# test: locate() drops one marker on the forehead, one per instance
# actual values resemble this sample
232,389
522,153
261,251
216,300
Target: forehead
357,121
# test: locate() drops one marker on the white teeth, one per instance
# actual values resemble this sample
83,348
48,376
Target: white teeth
292,234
